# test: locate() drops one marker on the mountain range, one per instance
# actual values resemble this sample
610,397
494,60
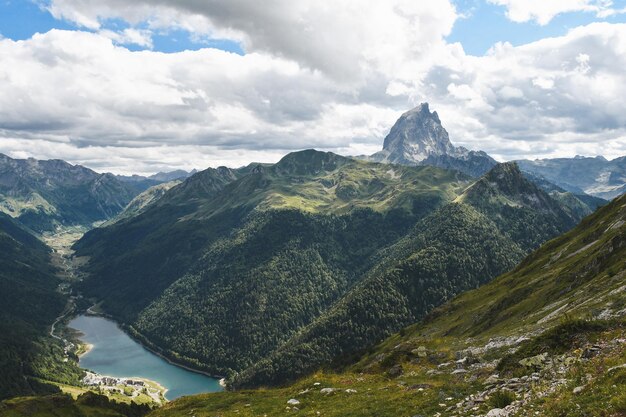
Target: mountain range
45,194
419,138
545,338
594,176
269,260
288,273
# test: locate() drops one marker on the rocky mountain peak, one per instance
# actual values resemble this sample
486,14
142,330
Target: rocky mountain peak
417,135
419,138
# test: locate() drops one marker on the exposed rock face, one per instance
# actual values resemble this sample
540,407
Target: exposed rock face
417,135
419,138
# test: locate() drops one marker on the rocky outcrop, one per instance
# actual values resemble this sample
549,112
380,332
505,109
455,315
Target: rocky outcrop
419,138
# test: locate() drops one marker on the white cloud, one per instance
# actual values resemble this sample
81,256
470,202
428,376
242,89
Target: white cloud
80,89
333,78
543,11
558,96
130,36
346,39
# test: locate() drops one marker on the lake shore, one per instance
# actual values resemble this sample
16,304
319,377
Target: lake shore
138,386
116,362
146,344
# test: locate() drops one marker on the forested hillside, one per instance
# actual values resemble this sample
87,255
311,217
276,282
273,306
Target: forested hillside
546,338
239,270
251,260
29,303
483,233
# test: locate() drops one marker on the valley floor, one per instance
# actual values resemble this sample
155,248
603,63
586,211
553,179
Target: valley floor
123,390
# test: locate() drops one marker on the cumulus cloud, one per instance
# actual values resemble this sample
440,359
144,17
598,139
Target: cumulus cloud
557,96
314,75
543,11
342,39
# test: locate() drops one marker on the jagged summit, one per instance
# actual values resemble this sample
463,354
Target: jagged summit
419,138
416,135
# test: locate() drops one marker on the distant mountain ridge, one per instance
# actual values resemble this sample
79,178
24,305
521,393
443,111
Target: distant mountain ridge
141,183
419,138
45,194
178,174
594,176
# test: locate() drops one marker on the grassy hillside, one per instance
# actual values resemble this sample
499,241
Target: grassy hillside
579,274
544,339
138,204
59,405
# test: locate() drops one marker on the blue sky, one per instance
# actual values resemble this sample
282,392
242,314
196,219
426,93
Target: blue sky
487,24
484,25
20,19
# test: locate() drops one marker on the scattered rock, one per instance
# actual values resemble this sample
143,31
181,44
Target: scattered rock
420,352
578,390
420,387
591,351
459,371
535,361
493,379
395,371
293,401
615,368
496,412
351,391
327,390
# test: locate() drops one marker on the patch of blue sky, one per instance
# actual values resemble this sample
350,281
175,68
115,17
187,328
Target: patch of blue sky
21,19
485,24
175,40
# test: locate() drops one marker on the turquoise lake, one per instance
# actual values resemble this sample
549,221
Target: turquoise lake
114,353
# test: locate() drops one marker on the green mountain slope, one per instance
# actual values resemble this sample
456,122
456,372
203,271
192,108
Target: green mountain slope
45,194
237,270
139,204
29,303
579,274
543,339
301,231
485,232
241,270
